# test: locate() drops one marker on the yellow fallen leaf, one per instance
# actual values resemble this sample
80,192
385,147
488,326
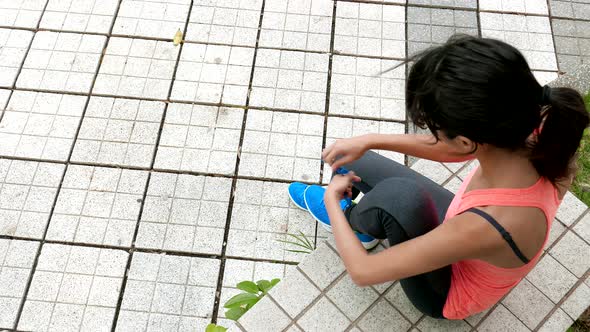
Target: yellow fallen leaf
177,38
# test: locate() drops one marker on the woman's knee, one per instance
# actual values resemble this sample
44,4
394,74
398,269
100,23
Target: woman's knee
406,201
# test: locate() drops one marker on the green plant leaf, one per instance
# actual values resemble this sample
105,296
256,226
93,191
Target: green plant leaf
294,243
264,285
299,251
215,328
240,299
302,240
248,286
306,240
235,313
274,282
250,305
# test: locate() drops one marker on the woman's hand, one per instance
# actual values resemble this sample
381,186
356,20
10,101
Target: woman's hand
345,151
341,186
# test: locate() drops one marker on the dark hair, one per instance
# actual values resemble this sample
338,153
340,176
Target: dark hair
483,89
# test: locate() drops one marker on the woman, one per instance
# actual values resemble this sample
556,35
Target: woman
456,255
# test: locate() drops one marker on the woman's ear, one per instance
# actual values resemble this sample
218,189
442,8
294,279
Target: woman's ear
465,145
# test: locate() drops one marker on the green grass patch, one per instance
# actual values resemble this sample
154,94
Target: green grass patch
581,187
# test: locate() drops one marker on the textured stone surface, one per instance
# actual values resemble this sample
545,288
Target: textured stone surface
125,153
74,288
60,61
40,125
27,193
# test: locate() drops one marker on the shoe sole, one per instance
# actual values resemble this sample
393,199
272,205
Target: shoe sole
304,208
366,245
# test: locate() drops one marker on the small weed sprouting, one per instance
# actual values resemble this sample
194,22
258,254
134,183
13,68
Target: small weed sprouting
300,241
253,292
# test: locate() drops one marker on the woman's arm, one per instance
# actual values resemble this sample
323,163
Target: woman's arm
457,239
417,145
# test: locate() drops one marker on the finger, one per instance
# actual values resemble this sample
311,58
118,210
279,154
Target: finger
353,177
327,151
331,157
340,162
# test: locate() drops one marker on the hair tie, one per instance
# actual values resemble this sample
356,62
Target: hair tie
546,95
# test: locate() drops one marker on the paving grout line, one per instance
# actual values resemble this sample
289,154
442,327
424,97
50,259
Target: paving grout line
185,102
230,206
553,36
22,64
562,300
327,106
147,185
381,296
478,17
58,189
38,254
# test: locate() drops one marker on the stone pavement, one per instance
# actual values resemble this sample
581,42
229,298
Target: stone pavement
141,180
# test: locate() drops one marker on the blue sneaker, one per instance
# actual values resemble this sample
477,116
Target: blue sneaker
313,197
296,190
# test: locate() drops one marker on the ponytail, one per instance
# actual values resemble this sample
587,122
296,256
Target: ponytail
565,118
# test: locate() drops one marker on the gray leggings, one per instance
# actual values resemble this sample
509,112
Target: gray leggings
400,204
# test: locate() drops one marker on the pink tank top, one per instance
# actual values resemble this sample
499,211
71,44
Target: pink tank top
477,285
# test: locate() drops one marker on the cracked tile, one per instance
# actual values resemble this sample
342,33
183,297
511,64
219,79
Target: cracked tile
213,74
184,213
79,15
281,145
359,89
168,292
137,68
370,29
224,22
290,80
118,131
74,288
40,125
13,48
97,205
200,138
60,61
151,18
297,25
27,192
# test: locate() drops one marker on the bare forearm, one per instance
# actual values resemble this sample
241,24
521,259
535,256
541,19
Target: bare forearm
417,145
